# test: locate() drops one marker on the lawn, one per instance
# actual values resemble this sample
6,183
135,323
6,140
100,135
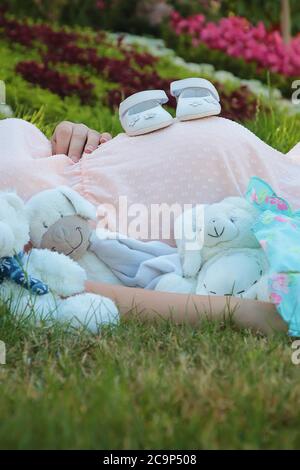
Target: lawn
141,385
154,386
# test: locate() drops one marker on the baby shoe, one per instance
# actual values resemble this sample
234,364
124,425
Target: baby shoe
142,112
196,98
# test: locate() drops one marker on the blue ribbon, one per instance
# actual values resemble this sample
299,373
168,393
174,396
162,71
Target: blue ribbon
11,268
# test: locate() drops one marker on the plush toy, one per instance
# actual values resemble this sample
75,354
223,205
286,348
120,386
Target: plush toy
237,272
60,221
47,285
220,254
207,230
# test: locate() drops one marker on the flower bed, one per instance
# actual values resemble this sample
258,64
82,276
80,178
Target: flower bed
233,41
92,67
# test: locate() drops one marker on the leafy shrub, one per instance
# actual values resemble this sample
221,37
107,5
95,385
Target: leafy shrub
90,68
144,16
116,15
267,11
41,74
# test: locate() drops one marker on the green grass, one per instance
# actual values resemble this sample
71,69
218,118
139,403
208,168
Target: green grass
137,385
155,386
150,386
277,129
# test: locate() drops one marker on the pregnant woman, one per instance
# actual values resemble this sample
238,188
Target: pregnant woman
199,161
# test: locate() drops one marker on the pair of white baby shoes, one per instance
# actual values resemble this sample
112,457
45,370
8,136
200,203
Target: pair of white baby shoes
143,112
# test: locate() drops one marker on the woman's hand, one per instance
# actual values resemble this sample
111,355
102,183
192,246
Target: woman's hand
76,139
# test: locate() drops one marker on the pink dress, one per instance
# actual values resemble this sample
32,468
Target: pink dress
199,161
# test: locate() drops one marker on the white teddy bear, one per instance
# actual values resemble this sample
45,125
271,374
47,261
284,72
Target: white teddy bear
213,228
60,221
220,255
47,285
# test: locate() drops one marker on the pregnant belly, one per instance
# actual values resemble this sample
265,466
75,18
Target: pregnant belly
133,179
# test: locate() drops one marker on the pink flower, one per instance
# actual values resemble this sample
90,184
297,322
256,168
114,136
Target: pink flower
285,220
279,203
238,38
253,196
280,218
280,282
275,298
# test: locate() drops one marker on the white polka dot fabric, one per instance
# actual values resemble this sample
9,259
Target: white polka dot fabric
191,162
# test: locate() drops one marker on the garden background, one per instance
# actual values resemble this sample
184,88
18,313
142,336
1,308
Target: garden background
157,386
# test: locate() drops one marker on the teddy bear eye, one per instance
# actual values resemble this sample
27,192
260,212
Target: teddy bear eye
45,225
62,216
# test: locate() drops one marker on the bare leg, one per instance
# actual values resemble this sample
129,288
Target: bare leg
181,308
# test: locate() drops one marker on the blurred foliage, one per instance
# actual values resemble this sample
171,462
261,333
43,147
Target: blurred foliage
220,60
267,11
33,95
99,67
144,16
115,15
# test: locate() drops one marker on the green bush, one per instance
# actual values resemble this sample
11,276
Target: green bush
46,107
125,15
117,15
38,74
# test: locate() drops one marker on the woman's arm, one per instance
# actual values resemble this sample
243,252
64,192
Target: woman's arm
180,308
75,139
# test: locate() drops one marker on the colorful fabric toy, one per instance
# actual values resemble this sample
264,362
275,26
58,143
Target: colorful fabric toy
278,232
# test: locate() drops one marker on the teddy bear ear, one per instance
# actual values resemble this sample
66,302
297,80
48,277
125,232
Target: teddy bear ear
14,201
236,201
81,206
240,203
